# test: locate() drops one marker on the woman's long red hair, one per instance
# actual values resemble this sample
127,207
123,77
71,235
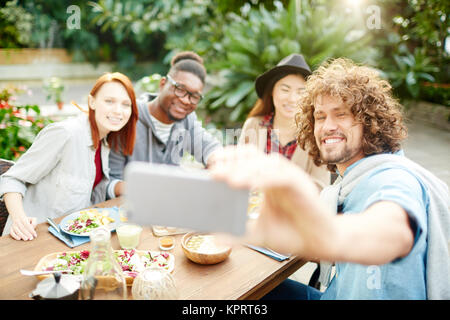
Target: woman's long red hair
125,137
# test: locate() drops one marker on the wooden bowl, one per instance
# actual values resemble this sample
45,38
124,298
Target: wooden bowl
216,255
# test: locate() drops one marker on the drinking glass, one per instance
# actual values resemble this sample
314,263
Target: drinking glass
129,235
254,203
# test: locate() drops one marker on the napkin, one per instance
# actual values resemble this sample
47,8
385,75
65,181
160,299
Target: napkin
77,241
269,253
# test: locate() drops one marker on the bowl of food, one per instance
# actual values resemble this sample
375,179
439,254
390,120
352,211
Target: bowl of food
204,248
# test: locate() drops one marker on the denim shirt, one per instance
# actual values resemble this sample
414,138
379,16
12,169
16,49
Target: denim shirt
56,174
403,278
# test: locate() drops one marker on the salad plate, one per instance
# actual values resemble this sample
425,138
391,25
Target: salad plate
135,261
131,261
82,222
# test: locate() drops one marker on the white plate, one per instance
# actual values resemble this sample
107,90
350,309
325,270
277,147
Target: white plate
113,213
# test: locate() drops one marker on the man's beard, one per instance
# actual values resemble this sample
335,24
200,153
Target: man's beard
338,156
341,155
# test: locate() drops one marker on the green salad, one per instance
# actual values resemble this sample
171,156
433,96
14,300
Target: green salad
75,261
88,220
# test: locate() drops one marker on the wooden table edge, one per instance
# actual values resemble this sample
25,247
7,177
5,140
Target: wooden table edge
274,280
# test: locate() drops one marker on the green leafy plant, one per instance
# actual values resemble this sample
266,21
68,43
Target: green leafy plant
148,83
436,92
413,44
15,26
409,70
426,24
157,29
54,89
253,43
145,24
19,125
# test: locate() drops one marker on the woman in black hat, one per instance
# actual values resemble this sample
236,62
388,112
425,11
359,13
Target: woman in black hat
271,123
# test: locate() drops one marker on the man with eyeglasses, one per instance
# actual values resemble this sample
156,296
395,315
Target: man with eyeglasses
168,126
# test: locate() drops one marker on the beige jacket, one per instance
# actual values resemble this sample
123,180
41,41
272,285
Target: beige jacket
56,174
253,132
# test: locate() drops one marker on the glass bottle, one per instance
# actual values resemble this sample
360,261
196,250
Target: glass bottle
102,276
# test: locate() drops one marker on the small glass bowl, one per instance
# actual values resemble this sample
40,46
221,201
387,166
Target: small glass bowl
166,243
154,284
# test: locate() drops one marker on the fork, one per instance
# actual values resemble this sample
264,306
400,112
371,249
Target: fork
38,273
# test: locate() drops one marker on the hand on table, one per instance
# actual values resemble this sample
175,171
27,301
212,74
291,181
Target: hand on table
23,228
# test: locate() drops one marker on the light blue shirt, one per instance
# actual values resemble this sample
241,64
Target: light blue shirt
403,278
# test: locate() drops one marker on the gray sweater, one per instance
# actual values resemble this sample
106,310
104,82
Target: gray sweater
186,136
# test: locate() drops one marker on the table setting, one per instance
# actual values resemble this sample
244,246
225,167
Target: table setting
173,245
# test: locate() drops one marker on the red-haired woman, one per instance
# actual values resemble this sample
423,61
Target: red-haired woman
66,168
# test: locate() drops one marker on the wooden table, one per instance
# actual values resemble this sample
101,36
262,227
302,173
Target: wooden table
246,274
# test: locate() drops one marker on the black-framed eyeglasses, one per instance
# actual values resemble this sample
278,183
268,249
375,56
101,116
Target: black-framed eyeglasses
181,92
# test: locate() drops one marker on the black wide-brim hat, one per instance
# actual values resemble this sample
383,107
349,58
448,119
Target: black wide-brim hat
293,63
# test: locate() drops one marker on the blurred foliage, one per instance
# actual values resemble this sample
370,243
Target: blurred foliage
426,24
413,48
253,43
48,21
148,84
19,125
436,92
409,70
15,26
239,6
240,39
146,23
54,89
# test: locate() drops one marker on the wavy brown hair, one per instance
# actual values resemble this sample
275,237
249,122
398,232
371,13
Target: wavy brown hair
369,98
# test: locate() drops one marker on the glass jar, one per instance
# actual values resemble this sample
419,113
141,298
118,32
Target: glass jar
154,283
254,203
102,277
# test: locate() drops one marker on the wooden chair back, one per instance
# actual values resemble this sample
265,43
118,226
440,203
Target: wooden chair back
4,166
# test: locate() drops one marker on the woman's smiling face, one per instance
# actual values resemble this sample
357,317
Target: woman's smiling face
112,107
286,93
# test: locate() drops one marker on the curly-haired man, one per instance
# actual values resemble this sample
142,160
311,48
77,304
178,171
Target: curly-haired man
390,237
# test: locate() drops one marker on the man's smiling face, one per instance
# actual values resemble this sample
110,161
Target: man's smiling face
338,136
177,108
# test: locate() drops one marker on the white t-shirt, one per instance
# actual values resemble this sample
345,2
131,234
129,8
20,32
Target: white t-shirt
162,129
